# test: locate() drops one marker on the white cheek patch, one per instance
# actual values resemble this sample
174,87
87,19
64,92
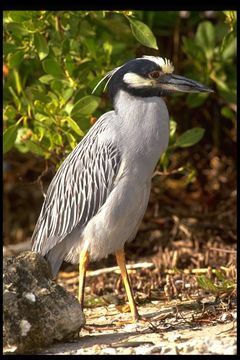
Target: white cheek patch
135,80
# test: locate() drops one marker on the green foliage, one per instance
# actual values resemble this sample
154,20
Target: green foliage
41,46
9,137
186,139
189,137
223,285
54,59
210,57
142,33
84,106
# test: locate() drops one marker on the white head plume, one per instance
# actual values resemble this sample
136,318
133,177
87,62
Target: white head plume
165,64
108,76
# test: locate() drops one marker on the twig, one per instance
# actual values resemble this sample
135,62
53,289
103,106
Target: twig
223,250
195,271
166,173
145,265
39,179
178,313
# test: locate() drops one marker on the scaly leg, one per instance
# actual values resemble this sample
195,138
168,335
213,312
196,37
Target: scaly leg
120,256
83,263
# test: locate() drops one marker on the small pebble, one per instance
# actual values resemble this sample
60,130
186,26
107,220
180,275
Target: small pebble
25,326
96,348
130,327
156,349
109,351
30,296
112,306
143,350
174,337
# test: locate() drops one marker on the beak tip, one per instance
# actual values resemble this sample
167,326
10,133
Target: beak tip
208,90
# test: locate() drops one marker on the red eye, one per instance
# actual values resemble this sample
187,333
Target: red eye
154,74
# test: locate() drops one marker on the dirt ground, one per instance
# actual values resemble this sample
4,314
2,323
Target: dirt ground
167,329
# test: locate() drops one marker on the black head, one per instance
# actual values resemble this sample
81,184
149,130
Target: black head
137,77
149,76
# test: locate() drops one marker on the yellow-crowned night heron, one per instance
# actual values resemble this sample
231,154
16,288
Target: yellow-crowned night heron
97,199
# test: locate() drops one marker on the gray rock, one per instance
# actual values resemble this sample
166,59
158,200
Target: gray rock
36,310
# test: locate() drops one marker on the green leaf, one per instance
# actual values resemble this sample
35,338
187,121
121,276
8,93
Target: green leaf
229,47
9,113
227,113
46,79
15,98
220,275
231,19
16,29
20,16
91,45
15,59
57,139
229,95
74,126
17,80
51,67
173,128
72,140
189,137
69,63
38,94
206,283
9,137
32,27
41,107
224,285
66,94
35,148
164,160
221,82
205,38
41,46
193,50
142,33
85,106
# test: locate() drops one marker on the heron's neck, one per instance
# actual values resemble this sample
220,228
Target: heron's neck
144,122
138,108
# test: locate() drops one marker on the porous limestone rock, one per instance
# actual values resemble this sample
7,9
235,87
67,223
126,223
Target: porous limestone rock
37,311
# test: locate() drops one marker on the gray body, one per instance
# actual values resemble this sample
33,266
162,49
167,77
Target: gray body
136,133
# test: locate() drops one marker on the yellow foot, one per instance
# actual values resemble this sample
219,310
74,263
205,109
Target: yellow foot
134,320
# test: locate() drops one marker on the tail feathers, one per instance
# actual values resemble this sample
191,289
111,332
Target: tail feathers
55,257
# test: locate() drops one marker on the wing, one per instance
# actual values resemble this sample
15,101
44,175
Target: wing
79,188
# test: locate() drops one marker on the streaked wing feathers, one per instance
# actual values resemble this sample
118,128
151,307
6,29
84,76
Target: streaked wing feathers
78,190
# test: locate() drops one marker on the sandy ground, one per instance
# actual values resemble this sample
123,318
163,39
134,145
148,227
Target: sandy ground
175,329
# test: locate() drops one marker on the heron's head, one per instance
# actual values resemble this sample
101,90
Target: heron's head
150,76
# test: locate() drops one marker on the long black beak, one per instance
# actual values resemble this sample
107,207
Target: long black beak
172,82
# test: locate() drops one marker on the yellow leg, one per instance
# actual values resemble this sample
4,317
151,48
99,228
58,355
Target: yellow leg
120,256
83,263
